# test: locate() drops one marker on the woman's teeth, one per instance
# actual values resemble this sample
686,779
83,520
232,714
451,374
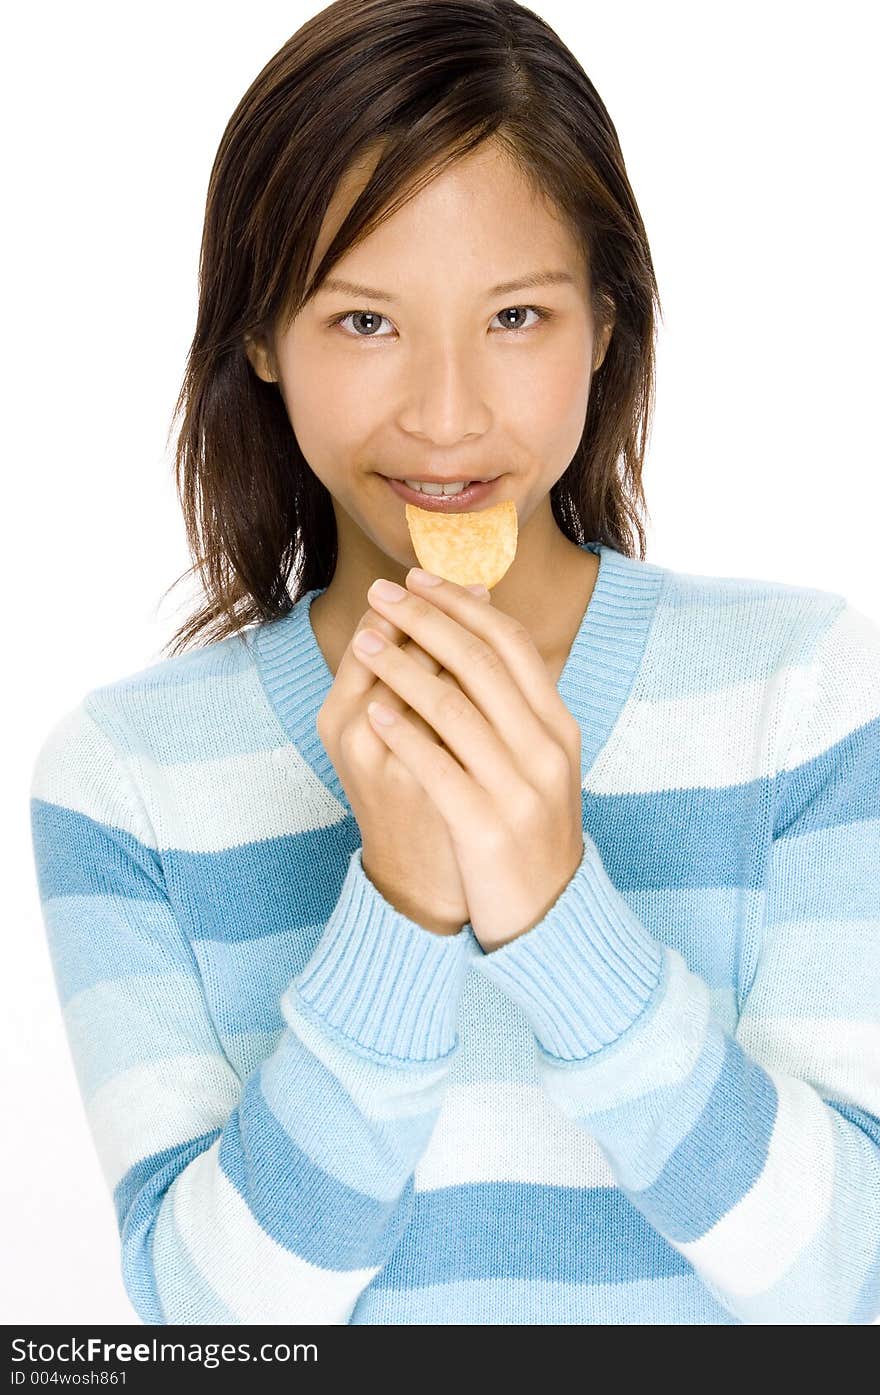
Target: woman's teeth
440,488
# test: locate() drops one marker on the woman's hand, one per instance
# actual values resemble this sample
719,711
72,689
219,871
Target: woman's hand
507,777
407,852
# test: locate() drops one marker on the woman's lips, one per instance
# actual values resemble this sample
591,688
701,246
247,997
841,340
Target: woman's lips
471,497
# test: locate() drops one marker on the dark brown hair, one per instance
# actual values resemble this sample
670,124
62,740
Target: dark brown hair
427,81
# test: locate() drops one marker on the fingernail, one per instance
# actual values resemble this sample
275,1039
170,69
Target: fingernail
424,578
368,641
478,590
387,591
382,714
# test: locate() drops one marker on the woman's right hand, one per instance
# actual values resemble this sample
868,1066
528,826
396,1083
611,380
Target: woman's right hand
406,848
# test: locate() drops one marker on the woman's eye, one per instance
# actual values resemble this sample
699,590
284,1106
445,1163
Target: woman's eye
520,310
369,320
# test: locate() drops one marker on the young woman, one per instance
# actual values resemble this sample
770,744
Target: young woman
553,999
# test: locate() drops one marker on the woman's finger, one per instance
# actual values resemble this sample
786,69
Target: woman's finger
382,693
353,676
353,679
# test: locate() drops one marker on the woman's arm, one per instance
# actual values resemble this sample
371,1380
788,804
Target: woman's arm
756,1153
273,1199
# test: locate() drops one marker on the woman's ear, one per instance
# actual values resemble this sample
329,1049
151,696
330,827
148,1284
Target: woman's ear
604,313
260,358
600,349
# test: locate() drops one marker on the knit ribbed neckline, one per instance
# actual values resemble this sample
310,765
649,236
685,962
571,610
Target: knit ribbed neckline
594,683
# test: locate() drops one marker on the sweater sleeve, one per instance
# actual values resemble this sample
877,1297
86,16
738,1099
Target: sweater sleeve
755,1154
271,1199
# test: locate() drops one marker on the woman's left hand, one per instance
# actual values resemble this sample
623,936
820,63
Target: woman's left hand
507,779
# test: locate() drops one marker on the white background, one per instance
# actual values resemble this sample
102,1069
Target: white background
749,134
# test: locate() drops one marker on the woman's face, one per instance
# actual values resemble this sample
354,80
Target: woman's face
435,371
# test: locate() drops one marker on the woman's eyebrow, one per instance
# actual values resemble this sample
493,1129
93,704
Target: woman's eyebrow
538,278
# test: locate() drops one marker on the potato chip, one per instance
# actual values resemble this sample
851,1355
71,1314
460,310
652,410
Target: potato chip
468,548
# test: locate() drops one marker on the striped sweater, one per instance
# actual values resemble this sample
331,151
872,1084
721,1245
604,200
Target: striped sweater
661,1104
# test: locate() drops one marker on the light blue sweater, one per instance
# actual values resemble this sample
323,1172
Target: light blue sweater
661,1104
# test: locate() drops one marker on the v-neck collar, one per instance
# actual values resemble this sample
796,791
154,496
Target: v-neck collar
594,683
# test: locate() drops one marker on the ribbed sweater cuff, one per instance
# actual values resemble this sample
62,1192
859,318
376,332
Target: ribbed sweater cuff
383,983
584,973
